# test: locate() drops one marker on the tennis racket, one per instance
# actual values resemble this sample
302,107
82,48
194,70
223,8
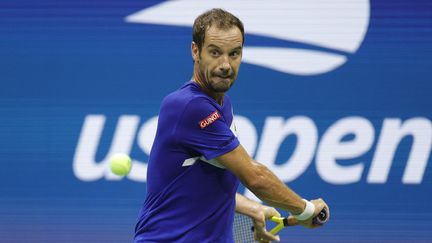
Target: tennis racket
282,222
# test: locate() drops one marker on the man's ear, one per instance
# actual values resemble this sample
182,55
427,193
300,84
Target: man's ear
195,52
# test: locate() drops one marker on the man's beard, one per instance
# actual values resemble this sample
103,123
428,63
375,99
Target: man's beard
221,86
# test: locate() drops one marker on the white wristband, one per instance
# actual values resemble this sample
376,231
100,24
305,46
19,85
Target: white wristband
308,211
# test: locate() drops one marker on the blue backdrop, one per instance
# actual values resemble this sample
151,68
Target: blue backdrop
334,97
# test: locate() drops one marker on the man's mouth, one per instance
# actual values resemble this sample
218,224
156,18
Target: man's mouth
223,77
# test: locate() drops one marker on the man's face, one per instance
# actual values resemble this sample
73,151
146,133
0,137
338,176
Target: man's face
220,57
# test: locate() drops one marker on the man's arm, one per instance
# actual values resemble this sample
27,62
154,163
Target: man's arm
259,214
261,181
258,211
254,209
264,184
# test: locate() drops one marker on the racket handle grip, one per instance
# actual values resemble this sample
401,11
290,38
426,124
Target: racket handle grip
321,218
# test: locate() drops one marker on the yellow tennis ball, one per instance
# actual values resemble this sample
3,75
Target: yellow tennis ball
120,164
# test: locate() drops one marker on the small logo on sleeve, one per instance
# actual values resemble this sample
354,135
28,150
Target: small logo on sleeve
209,120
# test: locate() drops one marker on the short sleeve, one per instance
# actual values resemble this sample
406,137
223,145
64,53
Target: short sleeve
203,129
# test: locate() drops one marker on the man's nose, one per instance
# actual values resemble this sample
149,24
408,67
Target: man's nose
225,65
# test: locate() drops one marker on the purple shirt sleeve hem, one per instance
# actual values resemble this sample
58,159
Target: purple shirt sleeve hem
226,149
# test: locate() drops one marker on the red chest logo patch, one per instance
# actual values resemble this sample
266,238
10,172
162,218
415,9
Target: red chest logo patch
210,119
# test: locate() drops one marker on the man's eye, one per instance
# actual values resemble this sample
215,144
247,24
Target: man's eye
235,54
214,53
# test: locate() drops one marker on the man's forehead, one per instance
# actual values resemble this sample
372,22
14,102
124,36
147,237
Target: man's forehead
231,36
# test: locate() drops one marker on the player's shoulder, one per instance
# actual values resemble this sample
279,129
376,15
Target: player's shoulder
189,96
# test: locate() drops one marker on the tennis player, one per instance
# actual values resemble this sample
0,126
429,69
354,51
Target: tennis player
196,161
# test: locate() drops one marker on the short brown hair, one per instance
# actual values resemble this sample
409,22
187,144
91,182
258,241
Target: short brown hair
219,17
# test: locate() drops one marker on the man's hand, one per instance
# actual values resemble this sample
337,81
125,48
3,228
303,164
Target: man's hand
259,214
319,206
259,219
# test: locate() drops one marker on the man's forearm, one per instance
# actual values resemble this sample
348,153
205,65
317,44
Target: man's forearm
246,206
273,191
261,181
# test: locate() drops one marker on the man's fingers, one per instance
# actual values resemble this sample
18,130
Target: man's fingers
262,235
292,221
270,212
265,236
328,210
319,206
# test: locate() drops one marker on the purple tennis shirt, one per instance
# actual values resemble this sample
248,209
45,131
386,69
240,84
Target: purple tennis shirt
190,196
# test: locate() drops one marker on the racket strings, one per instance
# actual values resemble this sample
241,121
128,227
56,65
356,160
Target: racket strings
242,230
